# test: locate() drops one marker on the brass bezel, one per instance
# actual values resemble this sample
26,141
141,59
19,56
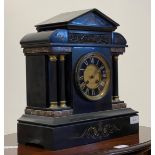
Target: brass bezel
108,79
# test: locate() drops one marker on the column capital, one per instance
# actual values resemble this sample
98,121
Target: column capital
115,57
62,57
53,58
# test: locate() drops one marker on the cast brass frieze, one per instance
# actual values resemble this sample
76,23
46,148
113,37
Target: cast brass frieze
49,113
36,50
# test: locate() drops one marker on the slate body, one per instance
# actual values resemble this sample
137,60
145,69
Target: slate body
86,31
72,34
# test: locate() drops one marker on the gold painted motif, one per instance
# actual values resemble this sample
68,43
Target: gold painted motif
98,131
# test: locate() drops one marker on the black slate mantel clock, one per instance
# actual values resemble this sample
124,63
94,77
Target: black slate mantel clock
72,82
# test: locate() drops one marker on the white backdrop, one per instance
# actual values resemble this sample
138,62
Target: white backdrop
134,65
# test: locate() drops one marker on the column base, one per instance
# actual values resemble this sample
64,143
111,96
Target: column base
118,105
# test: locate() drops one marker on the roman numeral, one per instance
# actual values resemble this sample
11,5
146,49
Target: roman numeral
97,62
100,87
92,60
81,77
81,69
104,75
102,67
87,91
102,83
93,92
82,85
86,63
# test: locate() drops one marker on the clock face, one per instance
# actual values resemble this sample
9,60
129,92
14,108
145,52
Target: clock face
93,76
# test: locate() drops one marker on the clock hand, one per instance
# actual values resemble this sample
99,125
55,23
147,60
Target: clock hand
95,72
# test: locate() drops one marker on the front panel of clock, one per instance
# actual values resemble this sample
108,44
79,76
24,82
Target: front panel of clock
92,79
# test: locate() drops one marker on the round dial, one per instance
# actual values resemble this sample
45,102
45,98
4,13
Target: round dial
93,76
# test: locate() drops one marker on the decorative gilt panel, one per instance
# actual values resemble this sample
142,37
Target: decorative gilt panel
89,38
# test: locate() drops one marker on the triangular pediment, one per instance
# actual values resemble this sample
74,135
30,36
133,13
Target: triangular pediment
91,19
84,19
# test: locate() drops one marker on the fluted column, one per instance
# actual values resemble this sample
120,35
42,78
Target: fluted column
62,91
53,82
115,78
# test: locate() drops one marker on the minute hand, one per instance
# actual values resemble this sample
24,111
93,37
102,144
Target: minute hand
95,72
